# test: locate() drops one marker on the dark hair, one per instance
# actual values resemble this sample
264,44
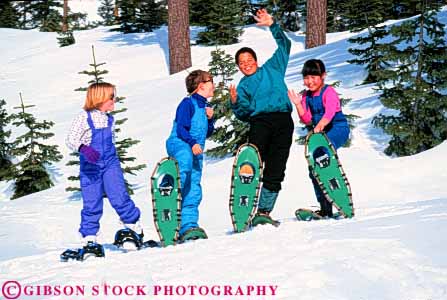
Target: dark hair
313,67
194,78
244,50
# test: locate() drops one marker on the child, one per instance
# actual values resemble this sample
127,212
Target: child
261,99
192,125
92,134
320,107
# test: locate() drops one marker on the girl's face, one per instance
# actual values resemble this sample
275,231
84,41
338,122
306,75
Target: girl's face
108,105
314,82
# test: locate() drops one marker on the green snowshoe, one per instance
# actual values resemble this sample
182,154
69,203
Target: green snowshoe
166,200
325,166
245,182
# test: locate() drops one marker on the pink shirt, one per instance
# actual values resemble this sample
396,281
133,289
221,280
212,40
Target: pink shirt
331,104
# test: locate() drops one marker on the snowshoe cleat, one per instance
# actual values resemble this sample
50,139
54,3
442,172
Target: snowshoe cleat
262,218
193,234
91,249
125,235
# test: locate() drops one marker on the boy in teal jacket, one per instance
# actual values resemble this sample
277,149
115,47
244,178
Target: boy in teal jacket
261,99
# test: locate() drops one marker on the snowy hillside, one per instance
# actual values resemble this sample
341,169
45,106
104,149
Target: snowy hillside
394,248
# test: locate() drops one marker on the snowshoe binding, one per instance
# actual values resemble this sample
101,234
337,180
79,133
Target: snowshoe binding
192,234
91,249
304,214
128,235
262,218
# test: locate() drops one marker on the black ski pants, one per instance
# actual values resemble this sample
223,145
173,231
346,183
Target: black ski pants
272,134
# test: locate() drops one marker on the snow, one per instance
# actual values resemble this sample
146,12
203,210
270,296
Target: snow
394,248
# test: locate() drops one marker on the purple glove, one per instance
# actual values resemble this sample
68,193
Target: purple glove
90,154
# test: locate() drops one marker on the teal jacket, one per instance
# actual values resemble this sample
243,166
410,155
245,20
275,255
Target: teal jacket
265,91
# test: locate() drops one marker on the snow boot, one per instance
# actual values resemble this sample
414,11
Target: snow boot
262,218
193,234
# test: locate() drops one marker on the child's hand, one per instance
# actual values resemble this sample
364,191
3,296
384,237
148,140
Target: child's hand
233,93
320,126
263,18
209,112
294,97
89,153
196,149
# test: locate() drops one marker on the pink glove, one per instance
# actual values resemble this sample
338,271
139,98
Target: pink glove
90,154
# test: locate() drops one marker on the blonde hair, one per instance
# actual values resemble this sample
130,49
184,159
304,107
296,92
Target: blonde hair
97,94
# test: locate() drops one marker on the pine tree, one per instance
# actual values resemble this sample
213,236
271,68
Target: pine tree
198,9
105,10
301,140
150,15
178,36
229,132
5,146
122,145
66,38
361,15
30,174
336,21
45,15
9,15
316,23
288,14
127,17
414,84
223,23
24,9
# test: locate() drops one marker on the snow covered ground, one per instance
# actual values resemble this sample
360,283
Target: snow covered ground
394,248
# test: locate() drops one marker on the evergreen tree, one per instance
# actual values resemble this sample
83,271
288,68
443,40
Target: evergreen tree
106,10
140,16
229,132
288,14
223,23
24,9
198,9
361,15
29,173
414,84
301,140
9,15
66,38
150,15
122,145
45,15
127,15
336,21
5,146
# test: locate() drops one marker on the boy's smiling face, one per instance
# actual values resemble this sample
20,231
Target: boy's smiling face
247,64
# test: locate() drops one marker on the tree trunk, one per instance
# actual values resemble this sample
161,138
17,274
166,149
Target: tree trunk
64,20
178,31
316,23
115,10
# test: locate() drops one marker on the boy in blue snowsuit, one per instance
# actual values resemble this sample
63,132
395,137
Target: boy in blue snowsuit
92,134
192,125
261,99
